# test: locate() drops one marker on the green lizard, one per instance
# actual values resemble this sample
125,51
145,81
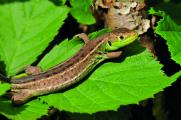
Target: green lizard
75,68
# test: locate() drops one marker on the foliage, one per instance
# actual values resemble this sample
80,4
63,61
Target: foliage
81,11
171,32
23,23
27,28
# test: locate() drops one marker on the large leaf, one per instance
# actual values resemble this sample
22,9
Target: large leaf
26,30
171,32
30,111
113,84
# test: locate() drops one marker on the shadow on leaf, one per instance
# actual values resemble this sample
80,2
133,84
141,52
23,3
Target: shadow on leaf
8,109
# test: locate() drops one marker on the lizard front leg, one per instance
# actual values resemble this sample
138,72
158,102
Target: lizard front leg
111,55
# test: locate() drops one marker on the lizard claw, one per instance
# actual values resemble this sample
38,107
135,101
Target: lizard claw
83,36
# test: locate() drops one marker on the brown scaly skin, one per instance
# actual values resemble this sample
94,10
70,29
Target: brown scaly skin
69,72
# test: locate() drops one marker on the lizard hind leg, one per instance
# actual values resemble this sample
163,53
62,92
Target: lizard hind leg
19,97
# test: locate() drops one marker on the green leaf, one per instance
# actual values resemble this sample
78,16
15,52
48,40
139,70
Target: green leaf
26,30
113,84
171,32
30,111
3,88
170,9
81,11
59,53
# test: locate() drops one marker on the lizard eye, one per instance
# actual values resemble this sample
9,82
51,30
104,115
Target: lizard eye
121,37
109,42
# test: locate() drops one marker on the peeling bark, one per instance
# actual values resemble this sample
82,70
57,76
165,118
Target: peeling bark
123,14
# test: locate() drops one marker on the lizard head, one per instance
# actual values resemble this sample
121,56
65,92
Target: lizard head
119,38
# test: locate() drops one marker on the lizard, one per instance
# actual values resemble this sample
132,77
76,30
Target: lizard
74,69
